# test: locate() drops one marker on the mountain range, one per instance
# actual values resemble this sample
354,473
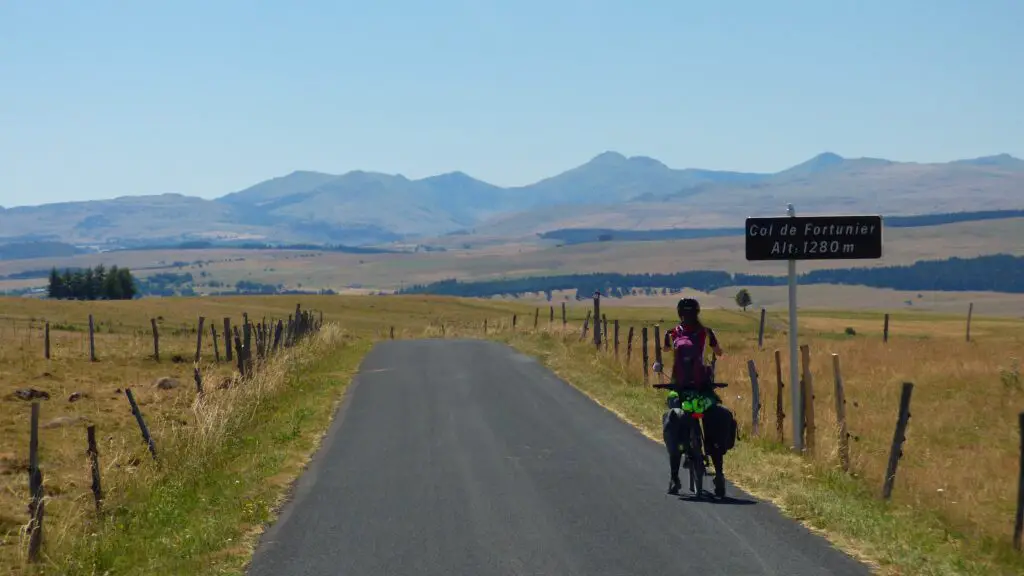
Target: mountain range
609,191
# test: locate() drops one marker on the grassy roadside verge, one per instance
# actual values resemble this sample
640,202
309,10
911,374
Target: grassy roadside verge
201,508
894,539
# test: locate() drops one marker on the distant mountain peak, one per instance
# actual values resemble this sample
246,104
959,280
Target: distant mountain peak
1003,160
608,157
827,158
457,179
647,161
306,173
822,161
454,176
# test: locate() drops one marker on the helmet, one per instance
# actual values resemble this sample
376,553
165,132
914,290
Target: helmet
687,305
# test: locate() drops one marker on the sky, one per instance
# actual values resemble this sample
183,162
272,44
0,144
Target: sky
102,99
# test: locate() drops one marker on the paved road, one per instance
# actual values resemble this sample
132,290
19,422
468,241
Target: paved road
463,457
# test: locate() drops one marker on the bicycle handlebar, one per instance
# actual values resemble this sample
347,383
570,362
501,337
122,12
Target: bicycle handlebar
667,386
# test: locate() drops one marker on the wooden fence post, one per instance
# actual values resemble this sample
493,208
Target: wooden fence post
515,318
564,321
156,339
899,436
970,313
393,330
604,323
92,341
629,346
142,423
755,400
760,330
586,324
198,378
808,390
239,353
94,460
199,339
646,356
536,317
657,343
844,437
616,338
46,343
35,483
278,330
551,317
485,329
885,329
216,348
780,412
227,339
597,320
1018,525
247,346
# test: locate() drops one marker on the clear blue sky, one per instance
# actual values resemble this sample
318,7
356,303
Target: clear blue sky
100,99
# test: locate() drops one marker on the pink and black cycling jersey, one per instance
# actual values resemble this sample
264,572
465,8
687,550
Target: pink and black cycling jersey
701,338
705,336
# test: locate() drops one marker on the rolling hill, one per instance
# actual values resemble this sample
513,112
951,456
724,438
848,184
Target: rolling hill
609,191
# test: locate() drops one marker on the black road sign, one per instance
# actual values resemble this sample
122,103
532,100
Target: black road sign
814,238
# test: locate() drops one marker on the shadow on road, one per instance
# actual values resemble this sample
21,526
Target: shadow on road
710,499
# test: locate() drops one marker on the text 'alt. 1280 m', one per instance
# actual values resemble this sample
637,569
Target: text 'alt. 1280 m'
814,238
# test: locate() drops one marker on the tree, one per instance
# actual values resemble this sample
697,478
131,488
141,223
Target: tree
112,285
89,291
126,283
99,278
743,299
56,289
92,284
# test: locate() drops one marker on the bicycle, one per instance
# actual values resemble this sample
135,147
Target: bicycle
693,404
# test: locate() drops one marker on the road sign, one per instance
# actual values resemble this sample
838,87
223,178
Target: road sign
814,238
791,238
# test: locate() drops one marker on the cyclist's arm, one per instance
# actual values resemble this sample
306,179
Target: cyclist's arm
713,341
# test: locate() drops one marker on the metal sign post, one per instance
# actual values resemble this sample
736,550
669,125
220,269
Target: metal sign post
809,238
796,392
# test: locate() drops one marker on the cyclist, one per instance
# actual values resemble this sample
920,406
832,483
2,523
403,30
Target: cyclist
690,340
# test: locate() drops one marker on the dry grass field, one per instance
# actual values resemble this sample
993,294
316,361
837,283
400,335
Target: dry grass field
316,270
951,513
817,297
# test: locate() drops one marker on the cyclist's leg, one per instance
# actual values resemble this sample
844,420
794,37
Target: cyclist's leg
671,425
716,422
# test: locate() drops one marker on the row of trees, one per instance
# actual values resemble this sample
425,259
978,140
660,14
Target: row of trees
587,235
995,273
92,284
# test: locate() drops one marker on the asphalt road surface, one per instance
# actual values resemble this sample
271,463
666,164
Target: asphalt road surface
469,458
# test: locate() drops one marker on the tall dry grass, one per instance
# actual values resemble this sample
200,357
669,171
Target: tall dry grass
216,414
183,424
188,450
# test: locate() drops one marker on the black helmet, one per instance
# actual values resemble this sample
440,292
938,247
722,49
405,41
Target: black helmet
688,305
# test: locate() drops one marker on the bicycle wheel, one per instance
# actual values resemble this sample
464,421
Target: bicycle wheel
696,452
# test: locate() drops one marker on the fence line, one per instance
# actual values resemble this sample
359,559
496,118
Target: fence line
806,382
300,326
